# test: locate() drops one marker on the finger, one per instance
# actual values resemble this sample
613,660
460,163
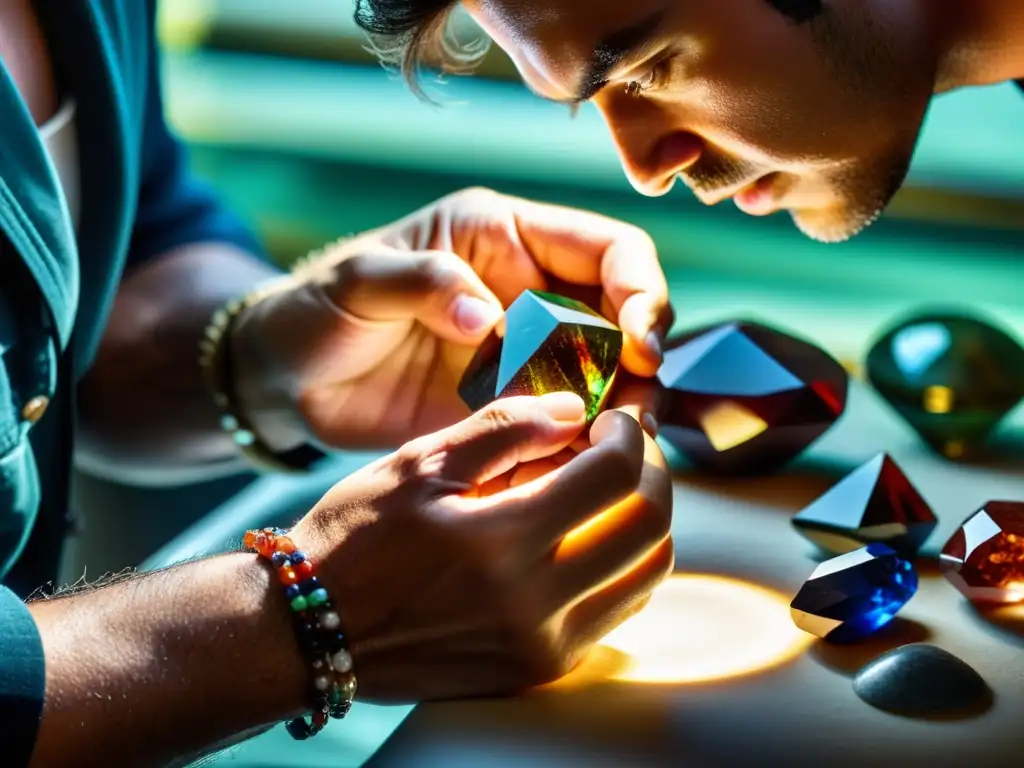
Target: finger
599,614
560,501
613,543
497,438
639,398
436,288
590,249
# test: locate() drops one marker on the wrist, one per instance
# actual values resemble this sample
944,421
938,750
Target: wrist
265,388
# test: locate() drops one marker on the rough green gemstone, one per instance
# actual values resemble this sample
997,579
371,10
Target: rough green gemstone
300,604
547,343
953,377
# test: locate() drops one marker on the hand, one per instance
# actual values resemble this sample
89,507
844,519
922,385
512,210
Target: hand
445,591
364,347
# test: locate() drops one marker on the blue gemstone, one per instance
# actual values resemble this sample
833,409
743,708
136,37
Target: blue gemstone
292,591
279,559
854,595
298,557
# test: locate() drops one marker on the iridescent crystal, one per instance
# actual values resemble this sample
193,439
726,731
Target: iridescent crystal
952,377
854,595
875,502
548,343
984,559
741,397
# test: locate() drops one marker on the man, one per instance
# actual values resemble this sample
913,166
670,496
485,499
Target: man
447,562
810,106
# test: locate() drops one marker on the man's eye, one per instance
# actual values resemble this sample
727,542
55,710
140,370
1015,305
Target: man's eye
651,81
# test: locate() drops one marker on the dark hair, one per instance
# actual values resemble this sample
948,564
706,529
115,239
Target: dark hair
406,34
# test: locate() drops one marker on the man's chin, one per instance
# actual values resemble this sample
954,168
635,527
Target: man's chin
831,225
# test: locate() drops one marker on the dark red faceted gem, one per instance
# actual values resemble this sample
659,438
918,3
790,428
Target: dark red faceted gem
744,398
874,503
984,559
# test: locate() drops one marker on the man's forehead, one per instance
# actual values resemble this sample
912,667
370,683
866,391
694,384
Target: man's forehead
559,38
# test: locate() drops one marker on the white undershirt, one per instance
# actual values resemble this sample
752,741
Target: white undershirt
61,141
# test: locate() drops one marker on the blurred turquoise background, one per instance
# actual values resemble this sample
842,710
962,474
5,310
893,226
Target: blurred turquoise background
309,139
289,115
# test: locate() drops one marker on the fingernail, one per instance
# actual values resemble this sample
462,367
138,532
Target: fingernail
653,342
650,424
563,406
473,315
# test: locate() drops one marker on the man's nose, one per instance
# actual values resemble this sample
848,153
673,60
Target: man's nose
652,149
653,169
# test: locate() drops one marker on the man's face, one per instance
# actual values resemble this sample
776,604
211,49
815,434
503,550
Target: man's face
737,99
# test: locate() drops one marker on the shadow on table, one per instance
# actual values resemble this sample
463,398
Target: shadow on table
849,659
791,488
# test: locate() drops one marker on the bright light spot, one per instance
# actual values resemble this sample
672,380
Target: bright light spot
729,424
938,399
696,629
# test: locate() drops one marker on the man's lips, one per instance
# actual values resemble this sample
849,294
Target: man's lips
758,199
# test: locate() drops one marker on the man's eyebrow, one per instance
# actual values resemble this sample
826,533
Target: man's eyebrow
610,52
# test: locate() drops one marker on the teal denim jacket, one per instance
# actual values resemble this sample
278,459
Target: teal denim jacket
138,201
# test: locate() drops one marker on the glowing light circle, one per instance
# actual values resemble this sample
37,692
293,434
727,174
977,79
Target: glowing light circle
701,628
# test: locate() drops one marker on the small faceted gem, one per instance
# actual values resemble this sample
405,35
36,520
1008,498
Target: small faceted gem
548,344
742,398
951,377
854,595
921,680
873,503
984,559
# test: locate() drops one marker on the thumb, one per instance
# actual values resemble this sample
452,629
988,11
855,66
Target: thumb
436,288
506,433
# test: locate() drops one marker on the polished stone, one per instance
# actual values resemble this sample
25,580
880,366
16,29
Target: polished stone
984,558
951,377
854,595
745,398
874,503
919,681
546,343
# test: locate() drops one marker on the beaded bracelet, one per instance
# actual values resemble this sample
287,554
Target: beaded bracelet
317,627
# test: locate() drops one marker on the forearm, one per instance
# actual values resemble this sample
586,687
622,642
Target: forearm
166,666
145,411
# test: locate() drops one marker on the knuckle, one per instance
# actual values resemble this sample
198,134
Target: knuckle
475,196
354,274
411,461
500,416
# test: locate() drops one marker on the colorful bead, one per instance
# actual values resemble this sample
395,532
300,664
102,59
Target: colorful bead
299,604
287,576
279,559
310,585
348,687
304,569
317,597
330,621
284,544
292,591
249,540
321,683
298,557
298,729
341,661
341,710
319,719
